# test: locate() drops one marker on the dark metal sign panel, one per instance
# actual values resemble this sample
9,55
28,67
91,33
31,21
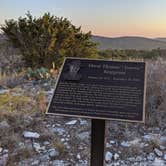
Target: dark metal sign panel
100,89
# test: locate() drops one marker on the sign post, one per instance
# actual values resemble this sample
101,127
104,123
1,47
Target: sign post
100,90
97,142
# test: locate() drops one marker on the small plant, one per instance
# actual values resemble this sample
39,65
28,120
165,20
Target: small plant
59,146
37,73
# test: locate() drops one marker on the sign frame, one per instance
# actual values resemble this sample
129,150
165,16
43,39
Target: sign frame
101,118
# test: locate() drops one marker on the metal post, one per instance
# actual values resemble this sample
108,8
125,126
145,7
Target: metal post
97,142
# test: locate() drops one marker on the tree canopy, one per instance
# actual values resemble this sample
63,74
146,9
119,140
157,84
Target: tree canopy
48,39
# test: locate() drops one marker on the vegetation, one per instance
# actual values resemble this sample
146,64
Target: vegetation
132,54
37,74
48,39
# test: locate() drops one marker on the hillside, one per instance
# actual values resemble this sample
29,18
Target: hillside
138,43
163,39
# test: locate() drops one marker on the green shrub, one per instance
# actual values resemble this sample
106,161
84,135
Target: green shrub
48,39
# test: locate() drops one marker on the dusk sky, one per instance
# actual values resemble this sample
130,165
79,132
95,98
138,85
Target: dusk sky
110,18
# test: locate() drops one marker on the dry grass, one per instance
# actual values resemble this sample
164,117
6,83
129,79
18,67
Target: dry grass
59,146
156,93
132,151
14,103
11,80
15,109
16,100
19,156
41,102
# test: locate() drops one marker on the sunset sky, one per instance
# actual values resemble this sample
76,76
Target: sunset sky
110,18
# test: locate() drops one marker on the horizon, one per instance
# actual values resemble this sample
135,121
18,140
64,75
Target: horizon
130,36
108,18
153,38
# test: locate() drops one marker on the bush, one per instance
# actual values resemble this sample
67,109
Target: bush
48,39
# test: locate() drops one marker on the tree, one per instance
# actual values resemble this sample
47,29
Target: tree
48,39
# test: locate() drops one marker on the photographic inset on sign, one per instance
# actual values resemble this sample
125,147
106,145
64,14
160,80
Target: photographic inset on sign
100,89
72,73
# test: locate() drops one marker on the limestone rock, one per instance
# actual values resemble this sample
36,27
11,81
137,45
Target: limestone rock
29,134
53,152
151,156
72,122
165,157
125,144
158,152
108,156
84,135
116,156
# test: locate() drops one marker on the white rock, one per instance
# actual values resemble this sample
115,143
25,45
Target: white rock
1,149
125,144
58,130
67,139
108,156
162,147
139,159
108,145
158,152
5,151
135,141
78,156
151,156
84,135
165,157
114,164
58,163
21,145
44,158
72,122
116,156
83,122
112,142
62,139
29,134
46,143
158,162
150,137
36,146
131,159
53,152
36,162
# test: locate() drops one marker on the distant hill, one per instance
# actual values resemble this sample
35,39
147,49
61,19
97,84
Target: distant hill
138,43
126,42
163,39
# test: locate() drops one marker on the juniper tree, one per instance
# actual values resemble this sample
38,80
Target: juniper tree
48,39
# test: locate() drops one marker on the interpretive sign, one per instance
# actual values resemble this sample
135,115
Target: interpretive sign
100,89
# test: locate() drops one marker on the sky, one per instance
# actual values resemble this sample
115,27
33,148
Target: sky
112,18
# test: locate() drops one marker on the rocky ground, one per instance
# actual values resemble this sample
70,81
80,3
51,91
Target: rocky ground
29,137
